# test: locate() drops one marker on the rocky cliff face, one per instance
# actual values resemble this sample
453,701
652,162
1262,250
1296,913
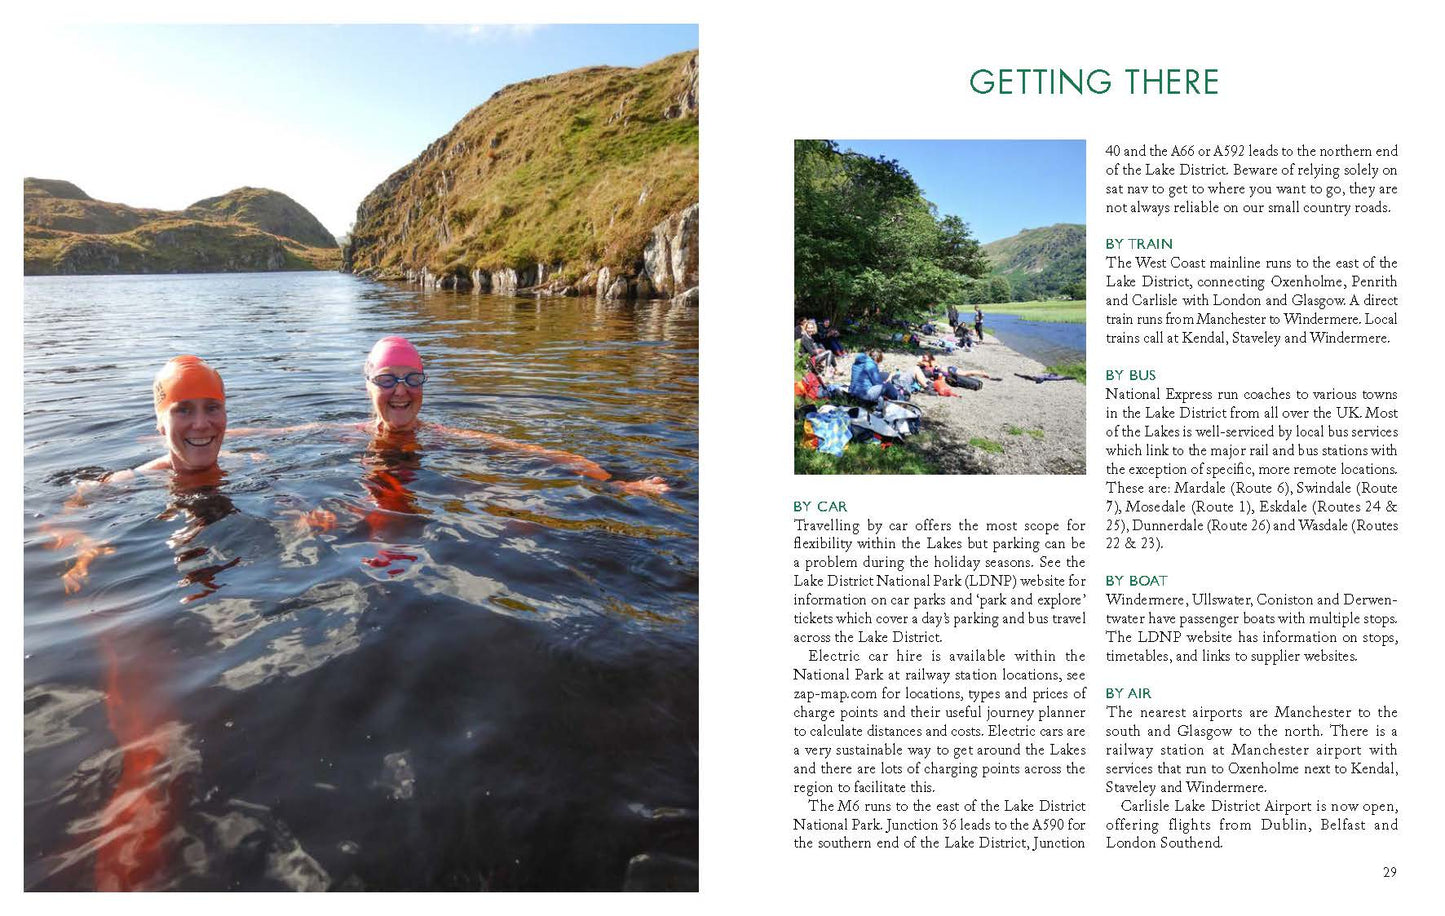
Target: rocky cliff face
68,232
583,183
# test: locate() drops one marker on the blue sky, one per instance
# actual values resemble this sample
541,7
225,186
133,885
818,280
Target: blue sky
163,116
996,186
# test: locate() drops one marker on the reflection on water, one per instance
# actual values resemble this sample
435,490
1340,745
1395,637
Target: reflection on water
1049,342
349,664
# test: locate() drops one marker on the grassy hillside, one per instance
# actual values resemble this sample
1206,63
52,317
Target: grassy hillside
68,232
570,171
269,211
170,246
1039,263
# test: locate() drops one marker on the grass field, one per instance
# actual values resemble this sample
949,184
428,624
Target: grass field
1066,312
860,458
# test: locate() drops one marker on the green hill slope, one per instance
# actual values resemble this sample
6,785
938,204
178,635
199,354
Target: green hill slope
1040,263
68,232
269,211
581,182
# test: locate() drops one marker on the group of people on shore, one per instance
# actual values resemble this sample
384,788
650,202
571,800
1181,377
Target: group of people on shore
962,330
822,347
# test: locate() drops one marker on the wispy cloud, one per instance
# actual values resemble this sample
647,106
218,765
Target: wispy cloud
491,33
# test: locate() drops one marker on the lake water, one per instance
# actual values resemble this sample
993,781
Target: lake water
484,676
1049,342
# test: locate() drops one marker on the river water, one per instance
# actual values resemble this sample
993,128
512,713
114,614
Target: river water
483,676
1049,342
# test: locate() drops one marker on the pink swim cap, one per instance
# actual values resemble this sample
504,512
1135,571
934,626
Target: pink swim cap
392,351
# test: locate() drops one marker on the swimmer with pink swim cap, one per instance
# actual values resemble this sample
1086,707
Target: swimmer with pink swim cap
394,380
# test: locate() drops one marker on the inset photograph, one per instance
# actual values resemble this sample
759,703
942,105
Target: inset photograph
361,459
939,300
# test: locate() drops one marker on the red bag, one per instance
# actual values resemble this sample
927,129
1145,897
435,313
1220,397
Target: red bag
813,385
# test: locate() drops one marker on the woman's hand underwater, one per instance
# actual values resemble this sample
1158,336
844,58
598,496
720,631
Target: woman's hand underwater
649,486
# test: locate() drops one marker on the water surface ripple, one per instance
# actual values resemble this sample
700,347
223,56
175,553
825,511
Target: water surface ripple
484,676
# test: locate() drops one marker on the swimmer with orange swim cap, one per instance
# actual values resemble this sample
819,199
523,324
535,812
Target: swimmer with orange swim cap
394,380
190,403
131,846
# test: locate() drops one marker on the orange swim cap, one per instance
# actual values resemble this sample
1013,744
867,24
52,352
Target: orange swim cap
186,377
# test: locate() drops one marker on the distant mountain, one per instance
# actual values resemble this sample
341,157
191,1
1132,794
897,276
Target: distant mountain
250,229
1041,262
580,182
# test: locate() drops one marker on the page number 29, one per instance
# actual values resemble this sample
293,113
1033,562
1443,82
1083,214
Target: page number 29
1389,871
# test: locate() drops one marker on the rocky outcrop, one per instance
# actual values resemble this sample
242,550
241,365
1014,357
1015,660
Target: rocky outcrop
684,100
668,270
670,258
583,183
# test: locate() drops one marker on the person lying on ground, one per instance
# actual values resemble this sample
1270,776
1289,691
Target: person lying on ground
970,373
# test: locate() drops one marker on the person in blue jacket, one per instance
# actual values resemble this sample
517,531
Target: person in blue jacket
867,382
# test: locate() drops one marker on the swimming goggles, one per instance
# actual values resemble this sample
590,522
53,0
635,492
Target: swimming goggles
389,381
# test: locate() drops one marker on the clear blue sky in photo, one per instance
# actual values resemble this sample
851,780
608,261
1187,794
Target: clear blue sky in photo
162,116
998,187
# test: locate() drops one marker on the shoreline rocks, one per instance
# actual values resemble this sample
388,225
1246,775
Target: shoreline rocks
669,270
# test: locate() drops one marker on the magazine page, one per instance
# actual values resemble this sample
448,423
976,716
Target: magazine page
395,515
1107,534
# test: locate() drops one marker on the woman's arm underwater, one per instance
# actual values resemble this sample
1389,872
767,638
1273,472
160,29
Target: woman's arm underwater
87,548
584,466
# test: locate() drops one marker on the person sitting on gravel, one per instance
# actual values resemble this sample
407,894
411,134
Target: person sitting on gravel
831,339
867,382
818,358
926,371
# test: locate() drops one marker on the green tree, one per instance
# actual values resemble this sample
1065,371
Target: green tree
865,240
998,288
1023,289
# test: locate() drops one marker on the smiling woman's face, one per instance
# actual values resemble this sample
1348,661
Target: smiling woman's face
396,408
194,430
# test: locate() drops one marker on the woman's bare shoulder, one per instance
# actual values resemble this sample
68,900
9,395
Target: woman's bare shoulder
163,463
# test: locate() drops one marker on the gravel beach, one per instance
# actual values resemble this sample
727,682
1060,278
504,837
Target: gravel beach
1048,416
